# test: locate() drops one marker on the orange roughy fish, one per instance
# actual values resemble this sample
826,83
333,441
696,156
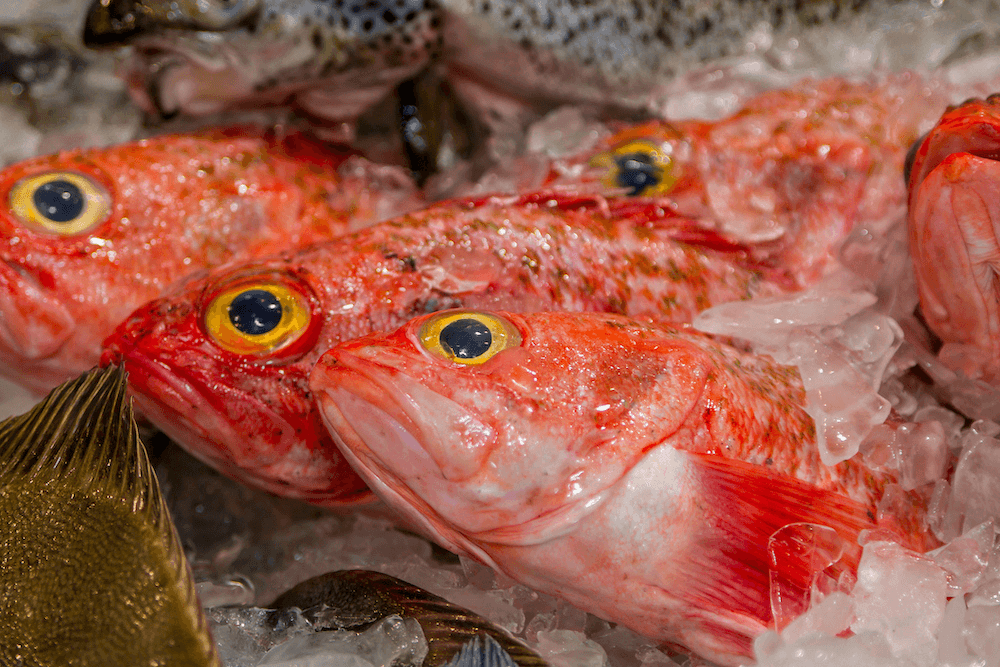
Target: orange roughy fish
222,364
87,236
954,212
637,471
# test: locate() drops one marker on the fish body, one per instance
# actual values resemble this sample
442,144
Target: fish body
636,470
954,190
93,571
354,599
792,172
335,58
241,402
86,236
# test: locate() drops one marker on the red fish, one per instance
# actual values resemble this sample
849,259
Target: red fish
792,172
222,365
89,235
954,213
636,470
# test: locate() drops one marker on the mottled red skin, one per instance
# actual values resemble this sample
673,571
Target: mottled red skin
635,470
179,204
253,417
792,172
954,220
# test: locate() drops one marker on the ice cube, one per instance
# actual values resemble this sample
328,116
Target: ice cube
902,596
393,640
566,648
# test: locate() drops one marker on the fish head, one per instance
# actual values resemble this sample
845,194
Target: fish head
495,427
204,56
56,226
221,365
954,226
633,160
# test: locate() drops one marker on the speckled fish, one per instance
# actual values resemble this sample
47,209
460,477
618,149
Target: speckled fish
637,471
354,599
335,57
792,172
222,364
87,236
93,572
954,210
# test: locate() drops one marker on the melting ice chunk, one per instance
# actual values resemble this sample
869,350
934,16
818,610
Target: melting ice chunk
393,640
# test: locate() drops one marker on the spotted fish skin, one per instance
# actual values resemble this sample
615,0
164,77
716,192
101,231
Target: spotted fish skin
336,57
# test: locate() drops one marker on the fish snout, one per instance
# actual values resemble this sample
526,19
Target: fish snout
34,322
144,326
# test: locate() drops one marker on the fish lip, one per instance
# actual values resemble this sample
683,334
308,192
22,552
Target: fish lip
23,291
175,391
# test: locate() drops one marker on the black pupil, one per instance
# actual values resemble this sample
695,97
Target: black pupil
59,201
466,338
637,172
255,312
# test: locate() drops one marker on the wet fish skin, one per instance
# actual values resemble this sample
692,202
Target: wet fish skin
635,470
792,172
152,212
354,599
94,573
249,413
954,188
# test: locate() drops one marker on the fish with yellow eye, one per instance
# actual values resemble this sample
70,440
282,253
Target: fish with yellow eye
222,364
792,172
648,474
87,236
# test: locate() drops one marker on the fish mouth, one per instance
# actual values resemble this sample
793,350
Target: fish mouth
973,127
381,418
275,456
954,221
191,73
35,327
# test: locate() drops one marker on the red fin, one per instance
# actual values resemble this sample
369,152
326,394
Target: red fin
745,504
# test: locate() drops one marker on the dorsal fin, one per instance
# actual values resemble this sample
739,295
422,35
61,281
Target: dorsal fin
96,574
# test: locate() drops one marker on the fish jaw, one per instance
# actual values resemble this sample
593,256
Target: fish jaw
377,414
188,390
972,127
954,219
335,62
35,325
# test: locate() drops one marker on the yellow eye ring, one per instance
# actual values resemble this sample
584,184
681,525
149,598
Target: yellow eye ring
60,202
468,337
257,316
640,166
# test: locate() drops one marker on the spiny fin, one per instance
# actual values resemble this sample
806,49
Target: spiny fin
96,575
729,575
481,651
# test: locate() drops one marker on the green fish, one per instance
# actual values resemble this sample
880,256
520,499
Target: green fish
91,568
355,599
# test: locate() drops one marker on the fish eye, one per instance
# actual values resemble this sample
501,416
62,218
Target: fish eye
257,317
468,337
639,167
60,202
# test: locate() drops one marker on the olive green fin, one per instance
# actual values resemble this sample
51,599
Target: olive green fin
96,575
